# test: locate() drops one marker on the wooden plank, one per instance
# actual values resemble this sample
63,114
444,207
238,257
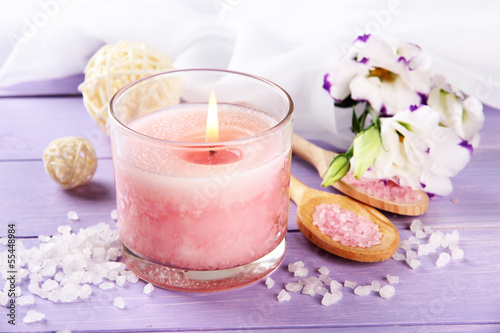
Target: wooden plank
462,293
63,86
28,125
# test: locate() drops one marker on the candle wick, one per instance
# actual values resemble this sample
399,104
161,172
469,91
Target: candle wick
212,152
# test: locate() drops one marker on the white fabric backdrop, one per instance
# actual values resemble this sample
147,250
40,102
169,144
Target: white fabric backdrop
291,42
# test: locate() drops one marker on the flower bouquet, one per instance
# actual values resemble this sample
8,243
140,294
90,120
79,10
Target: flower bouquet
411,126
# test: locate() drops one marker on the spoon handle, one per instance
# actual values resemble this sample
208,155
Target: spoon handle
297,190
320,158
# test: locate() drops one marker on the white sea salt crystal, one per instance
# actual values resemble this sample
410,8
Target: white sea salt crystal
4,240
25,300
325,279
114,215
335,285
132,278
73,216
35,278
98,253
420,234
363,290
405,245
148,289
113,253
33,316
269,282
63,229
387,291
436,238
414,240
4,299
411,254
63,331
314,280
34,288
324,270
457,254
309,289
69,292
112,275
120,280
423,250
331,298
293,286
23,273
443,259
300,272
44,239
106,285
119,302
455,236
50,284
398,256
320,290
53,295
284,296
416,225
446,241
58,277
413,263
85,292
392,279
350,284
375,285
292,267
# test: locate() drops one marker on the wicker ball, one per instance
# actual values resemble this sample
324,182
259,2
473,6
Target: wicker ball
70,161
114,66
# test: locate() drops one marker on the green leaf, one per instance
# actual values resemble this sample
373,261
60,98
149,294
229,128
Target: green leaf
366,148
356,124
338,168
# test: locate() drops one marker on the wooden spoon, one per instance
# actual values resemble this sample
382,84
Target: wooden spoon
307,199
321,158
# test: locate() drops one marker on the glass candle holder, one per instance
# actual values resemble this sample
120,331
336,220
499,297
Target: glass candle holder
199,211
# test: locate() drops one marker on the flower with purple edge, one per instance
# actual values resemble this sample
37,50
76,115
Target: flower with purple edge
388,75
418,152
428,129
462,113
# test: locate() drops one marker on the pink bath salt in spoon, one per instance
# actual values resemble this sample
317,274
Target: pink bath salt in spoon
385,195
363,233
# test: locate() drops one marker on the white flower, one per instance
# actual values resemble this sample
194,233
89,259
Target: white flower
389,75
463,114
419,153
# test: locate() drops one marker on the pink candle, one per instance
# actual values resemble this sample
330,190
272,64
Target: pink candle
198,214
191,209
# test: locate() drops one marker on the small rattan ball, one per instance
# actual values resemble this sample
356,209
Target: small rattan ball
70,161
114,66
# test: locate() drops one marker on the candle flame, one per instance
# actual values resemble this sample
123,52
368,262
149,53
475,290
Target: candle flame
212,134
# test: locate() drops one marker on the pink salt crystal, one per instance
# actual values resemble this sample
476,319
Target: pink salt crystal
345,226
383,189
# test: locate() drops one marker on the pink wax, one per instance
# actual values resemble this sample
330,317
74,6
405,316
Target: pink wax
179,211
383,189
345,226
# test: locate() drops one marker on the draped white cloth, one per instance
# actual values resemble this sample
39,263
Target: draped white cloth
291,42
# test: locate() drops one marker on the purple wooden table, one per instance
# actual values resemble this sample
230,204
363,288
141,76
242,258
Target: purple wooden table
463,296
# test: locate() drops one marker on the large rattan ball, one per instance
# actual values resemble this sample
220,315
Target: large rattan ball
114,66
70,161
